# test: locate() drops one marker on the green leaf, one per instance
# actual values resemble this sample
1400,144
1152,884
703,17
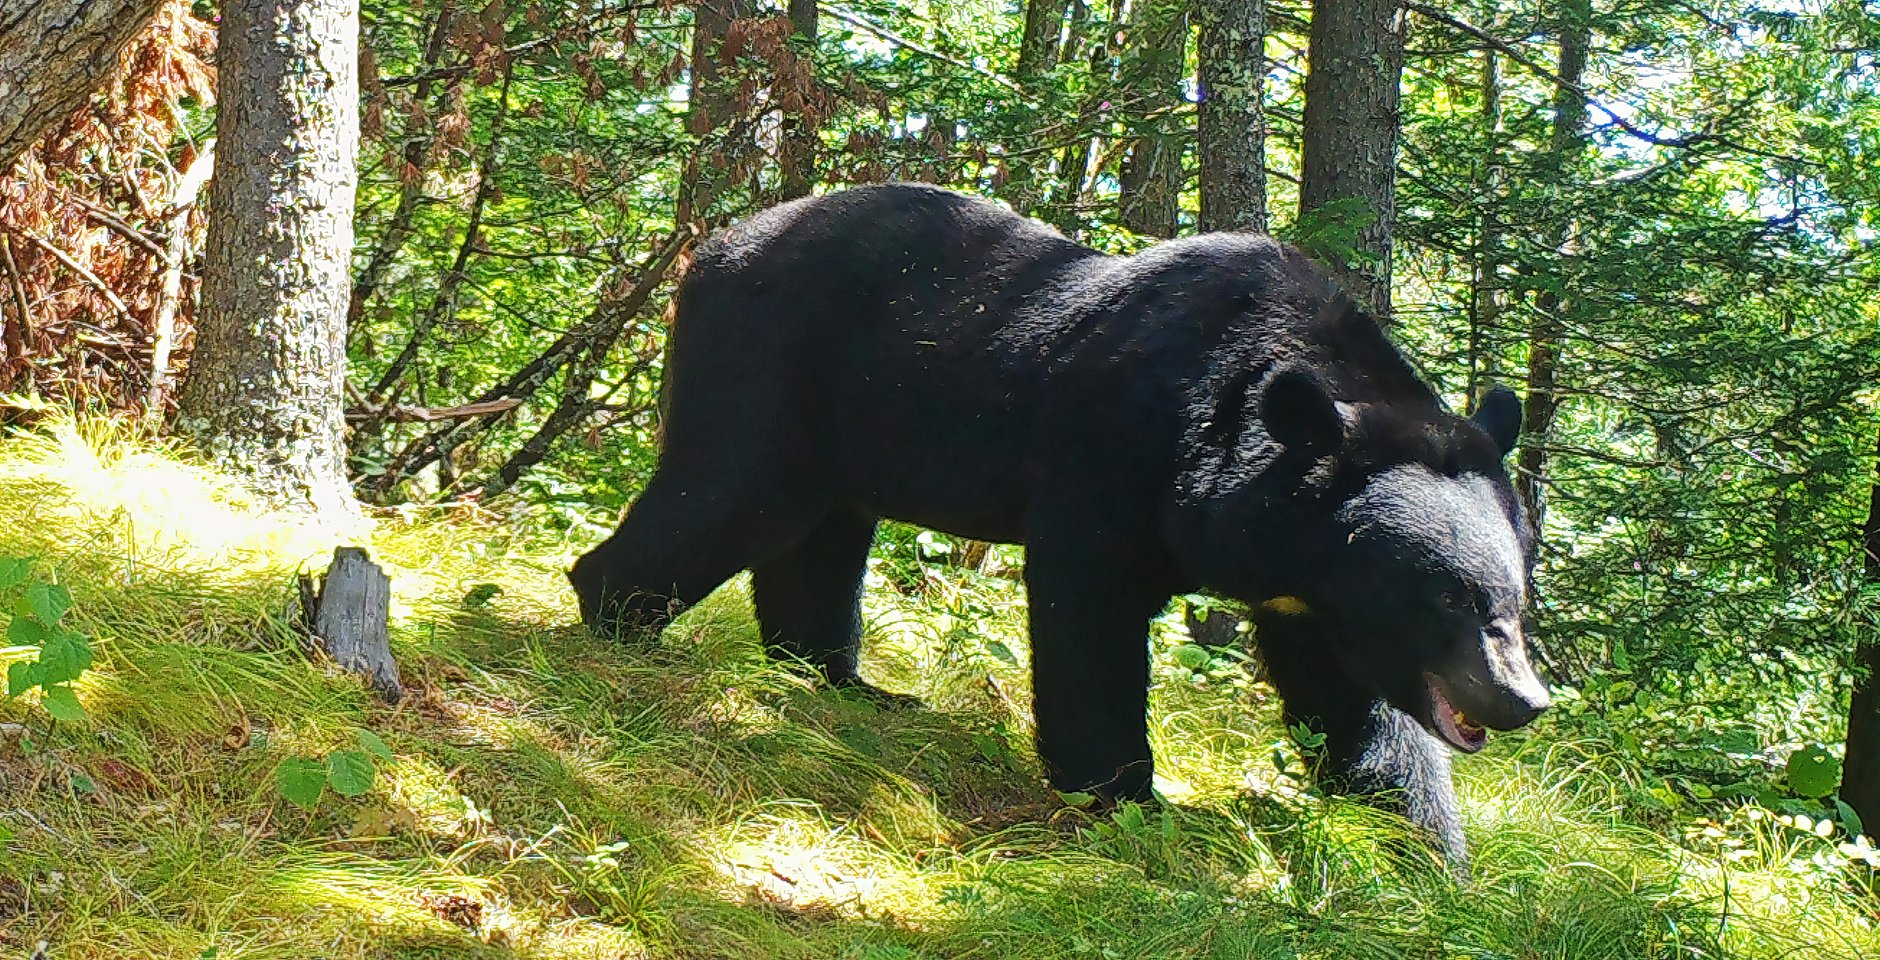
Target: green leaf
301,780
1193,656
6,834
64,656
479,596
48,602
14,571
1813,771
25,631
1076,798
370,743
1848,817
1001,651
22,676
63,704
349,772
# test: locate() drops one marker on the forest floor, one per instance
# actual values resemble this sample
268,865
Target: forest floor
549,795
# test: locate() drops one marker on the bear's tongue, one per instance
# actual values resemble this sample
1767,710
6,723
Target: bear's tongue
1462,733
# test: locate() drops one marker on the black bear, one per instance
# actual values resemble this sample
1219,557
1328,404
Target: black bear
1210,414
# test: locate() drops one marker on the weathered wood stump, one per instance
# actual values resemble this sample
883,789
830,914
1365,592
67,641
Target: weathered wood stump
349,618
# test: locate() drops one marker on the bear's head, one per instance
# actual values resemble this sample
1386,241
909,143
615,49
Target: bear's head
1411,551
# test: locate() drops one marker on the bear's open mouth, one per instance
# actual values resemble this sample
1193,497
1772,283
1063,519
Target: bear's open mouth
1451,724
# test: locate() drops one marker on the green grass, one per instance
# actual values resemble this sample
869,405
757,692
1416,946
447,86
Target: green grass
554,796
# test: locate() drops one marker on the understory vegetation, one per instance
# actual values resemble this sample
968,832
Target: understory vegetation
539,793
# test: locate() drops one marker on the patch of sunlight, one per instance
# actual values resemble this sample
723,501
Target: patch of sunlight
390,901
154,505
791,856
422,798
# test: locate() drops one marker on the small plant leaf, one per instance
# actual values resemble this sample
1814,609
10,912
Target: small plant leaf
63,704
301,780
63,657
1848,817
26,631
370,743
22,676
349,772
14,571
48,602
1813,771
479,596
1002,652
1193,657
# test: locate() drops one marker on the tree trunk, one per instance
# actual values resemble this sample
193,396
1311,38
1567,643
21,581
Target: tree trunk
1354,67
53,54
1231,120
1037,54
712,102
1484,279
1044,26
798,147
1860,776
1544,335
265,394
1150,198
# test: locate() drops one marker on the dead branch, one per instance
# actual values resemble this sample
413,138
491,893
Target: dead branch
400,413
91,279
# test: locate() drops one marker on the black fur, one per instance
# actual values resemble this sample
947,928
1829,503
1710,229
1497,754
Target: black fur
1209,414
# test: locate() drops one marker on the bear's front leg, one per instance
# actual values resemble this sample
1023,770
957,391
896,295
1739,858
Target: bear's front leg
1371,748
1091,603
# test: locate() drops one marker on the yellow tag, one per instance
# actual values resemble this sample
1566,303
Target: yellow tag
1287,606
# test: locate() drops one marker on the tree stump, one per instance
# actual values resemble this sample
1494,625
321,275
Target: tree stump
350,615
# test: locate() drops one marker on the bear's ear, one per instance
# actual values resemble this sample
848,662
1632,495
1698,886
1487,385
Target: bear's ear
1300,413
1499,416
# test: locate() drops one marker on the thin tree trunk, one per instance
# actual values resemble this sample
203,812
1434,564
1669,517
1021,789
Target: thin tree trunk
1860,776
417,158
798,147
1353,74
1231,117
176,252
265,395
1484,280
1037,55
53,54
712,103
1544,335
1149,201
444,302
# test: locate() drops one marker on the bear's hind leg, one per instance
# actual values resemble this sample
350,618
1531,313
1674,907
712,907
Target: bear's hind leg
809,596
1371,748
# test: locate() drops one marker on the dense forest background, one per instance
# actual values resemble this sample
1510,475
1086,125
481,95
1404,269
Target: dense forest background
1654,218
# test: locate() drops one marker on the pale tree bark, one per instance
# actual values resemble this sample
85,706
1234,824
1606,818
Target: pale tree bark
1354,68
1566,144
53,54
798,147
1150,198
264,396
1231,121
1860,776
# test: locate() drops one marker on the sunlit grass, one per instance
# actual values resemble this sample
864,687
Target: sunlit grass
554,796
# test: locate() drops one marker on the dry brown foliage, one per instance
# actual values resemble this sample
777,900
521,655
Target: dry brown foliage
86,225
